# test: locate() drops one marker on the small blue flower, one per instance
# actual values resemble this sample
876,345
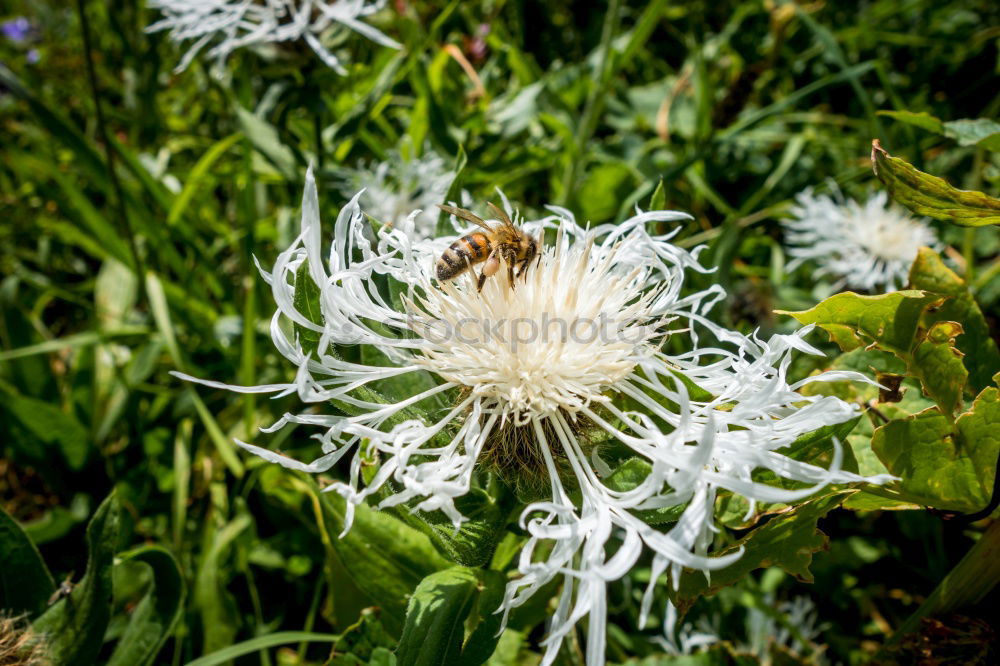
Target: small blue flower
16,29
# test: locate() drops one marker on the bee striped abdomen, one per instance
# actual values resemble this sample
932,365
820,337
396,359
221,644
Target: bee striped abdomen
461,254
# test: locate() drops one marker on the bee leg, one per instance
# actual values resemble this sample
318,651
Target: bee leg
481,281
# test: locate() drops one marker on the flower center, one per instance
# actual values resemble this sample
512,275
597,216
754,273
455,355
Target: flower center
575,324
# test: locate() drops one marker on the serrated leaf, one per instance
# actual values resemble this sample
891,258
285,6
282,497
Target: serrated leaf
788,540
75,625
972,131
888,319
935,470
923,120
982,359
153,618
925,194
436,617
25,581
980,437
938,366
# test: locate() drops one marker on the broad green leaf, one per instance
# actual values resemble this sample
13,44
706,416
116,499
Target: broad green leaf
980,437
925,194
226,655
868,362
152,620
51,426
75,625
982,359
973,131
25,581
854,320
437,614
386,558
938,366
787,540
935,470
923,120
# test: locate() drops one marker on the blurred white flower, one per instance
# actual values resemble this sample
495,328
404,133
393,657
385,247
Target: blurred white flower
400,185
868,246
533,379
228,25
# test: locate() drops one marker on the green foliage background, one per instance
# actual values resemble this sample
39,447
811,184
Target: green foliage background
127,246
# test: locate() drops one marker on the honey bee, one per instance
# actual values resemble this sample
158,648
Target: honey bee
505,242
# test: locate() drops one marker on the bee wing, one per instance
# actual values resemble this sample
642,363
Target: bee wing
502,216
466,215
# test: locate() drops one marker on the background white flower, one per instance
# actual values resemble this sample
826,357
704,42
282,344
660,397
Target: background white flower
543,405
868,246
228,25
400,185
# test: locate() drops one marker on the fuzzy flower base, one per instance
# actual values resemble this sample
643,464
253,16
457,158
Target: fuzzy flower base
546,374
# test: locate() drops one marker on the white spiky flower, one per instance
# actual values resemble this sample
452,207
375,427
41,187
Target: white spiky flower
504,398
401,184
868,246
228,25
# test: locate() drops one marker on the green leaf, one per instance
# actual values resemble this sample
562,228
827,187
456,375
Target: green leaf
198,177
938,366
306,300
854,321
630,474
25,581
436,617
982,359
606,185
788,540
226,655
152,620
267,142
934,468
923,120
925,194
659,199
980,438
75,625
474,542
51,426
970,132
454,193
386,558
360,642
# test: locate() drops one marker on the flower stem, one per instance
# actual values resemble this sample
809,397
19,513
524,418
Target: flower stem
972,579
